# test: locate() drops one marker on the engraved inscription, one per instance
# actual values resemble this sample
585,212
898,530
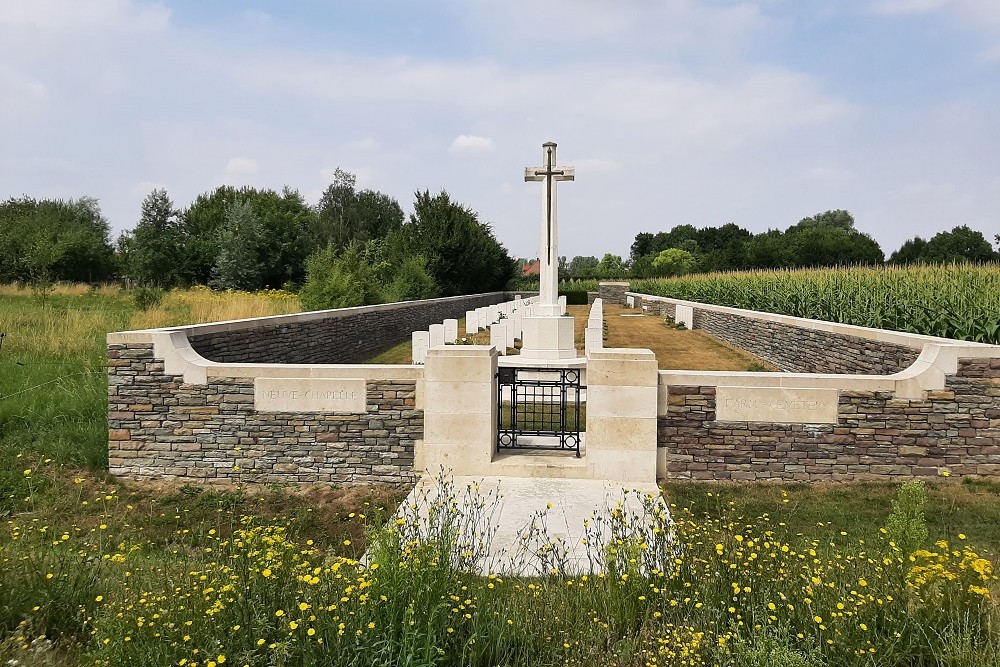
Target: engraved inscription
776,405
310,395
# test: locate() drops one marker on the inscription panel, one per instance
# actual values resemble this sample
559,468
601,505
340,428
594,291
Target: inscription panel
776,405
310,395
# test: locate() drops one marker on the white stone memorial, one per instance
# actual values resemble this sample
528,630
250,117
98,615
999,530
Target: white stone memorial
498,337
548,334
562,305
450,331
419,344
436,335
471,321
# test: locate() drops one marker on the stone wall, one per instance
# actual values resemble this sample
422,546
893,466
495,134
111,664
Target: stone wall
878,436
161,427
343,336
612,292
796,349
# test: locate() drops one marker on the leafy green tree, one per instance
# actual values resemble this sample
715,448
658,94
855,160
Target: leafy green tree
674,262
837,218
461,252
583,267
961,244
153,250
411,280
345,215
830,245
341,279
642,246
53,239
241,241
611,266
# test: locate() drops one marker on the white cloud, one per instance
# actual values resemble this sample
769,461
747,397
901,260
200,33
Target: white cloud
241,166
470,143
894,7
78,16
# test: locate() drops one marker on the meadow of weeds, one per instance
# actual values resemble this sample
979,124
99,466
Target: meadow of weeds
94,571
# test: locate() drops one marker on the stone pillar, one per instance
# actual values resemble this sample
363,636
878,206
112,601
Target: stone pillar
613,292
460,413
621,414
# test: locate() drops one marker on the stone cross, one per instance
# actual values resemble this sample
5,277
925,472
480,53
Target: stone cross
548,255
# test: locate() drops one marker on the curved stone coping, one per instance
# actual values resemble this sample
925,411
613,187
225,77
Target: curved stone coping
179,358
916,341
927,373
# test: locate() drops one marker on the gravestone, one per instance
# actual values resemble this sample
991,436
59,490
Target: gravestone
498,337
471,321
450,331
436,335
419,343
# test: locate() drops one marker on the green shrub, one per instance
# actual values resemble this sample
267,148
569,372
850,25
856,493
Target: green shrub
907,527
147,297
574,297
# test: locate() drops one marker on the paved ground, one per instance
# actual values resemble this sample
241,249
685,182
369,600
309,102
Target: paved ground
527,526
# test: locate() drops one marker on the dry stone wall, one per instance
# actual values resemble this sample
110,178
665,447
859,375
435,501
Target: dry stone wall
346,336
161,427
876,436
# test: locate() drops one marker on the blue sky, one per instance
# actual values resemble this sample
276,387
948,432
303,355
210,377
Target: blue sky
758,112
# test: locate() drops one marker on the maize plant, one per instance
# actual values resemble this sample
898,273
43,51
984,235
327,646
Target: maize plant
960,301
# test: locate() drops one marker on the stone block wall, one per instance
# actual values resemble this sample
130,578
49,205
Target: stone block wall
612,292
797,349
161,427
877,435
345,336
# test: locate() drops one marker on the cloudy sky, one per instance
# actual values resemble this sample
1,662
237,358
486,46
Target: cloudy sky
758,112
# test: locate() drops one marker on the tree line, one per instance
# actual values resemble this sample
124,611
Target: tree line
352,248
825,239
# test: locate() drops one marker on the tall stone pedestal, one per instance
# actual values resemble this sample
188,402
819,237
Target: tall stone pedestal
548,337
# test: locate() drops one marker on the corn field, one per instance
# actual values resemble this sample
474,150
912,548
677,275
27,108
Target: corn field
960,301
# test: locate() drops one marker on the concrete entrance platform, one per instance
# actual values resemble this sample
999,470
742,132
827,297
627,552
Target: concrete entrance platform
534,526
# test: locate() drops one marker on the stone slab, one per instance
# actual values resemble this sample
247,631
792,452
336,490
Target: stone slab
514,502
346,395
776,405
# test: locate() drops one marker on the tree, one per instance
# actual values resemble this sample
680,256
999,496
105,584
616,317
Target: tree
611,266
341,279
830,245
153,249
837,218
411,280
961,244
461,252
642,246
583,267
345,215
674,262
53,239
241,241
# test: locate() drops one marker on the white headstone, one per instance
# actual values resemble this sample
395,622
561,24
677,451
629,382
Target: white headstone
508,328
516,322
450,331
630,301
494,315
437,335
482,317
593,339
498,337
471,321
562,305
420,342
684,315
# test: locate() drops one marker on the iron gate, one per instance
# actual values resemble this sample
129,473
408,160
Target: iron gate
538,408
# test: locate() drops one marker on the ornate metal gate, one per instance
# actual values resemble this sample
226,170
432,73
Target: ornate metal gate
538,408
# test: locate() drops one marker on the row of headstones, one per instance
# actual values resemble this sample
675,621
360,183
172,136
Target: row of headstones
593,335
503,320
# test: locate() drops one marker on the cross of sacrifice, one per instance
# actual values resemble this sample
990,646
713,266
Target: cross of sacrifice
551,174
